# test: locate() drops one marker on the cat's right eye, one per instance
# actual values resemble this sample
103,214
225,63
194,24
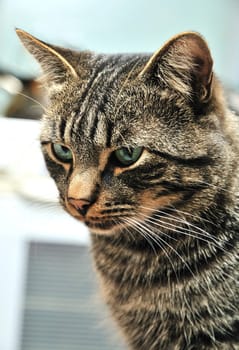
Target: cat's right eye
62,153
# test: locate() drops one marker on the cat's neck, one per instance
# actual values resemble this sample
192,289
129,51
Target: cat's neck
205,239
166,254
144,281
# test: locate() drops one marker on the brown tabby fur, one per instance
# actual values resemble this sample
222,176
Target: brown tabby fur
164,229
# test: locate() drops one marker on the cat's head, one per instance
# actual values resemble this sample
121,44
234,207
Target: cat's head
127,137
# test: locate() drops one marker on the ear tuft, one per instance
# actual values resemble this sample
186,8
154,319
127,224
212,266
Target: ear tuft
54,63
184,64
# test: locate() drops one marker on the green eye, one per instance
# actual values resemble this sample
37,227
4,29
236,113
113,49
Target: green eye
128,156
62,153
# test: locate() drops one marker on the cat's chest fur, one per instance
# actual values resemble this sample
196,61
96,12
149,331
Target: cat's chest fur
168,306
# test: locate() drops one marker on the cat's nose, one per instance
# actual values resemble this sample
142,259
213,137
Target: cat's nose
81,205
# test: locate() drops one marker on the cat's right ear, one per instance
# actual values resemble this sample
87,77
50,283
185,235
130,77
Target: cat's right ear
52,59
183,64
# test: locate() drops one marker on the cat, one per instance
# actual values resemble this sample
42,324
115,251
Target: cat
144,151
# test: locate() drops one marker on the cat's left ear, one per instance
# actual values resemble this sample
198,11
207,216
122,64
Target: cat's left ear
184,64
54,61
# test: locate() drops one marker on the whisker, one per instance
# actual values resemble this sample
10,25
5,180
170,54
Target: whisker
175,251
185,231
160,243
40,205
33,100
133,223
149,238
119,222
158,238
199,230
145,231
217,187
197,217
200,237
179,218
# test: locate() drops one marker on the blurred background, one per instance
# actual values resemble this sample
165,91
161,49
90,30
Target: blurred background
49,294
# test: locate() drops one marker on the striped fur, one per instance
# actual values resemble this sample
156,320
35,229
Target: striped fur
165,228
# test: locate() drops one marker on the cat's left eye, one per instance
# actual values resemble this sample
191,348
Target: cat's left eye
62,153
127,156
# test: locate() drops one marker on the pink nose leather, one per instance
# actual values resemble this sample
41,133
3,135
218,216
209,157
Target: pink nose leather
81,205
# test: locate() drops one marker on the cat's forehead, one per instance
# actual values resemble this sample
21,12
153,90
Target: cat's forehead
110,107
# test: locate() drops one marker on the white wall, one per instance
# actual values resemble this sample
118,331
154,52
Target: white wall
120,25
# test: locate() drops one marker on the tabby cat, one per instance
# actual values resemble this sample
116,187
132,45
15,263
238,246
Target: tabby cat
144,151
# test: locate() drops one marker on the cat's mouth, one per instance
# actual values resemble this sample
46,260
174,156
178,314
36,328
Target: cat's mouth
102,226
113,219
98,223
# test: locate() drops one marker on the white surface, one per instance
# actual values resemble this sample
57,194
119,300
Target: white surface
28,212
13,254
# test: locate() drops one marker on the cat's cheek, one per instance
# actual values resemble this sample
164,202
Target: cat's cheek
152,201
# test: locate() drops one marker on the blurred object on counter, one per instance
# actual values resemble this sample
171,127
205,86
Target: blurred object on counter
22,98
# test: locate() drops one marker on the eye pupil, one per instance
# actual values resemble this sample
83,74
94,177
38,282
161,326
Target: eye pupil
127,156
62,153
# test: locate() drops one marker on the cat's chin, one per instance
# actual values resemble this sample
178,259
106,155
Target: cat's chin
100,228
98,231
103,228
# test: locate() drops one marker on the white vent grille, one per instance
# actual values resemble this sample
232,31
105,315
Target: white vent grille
61,307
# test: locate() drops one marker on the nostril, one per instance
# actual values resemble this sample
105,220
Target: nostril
81,205
83,210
